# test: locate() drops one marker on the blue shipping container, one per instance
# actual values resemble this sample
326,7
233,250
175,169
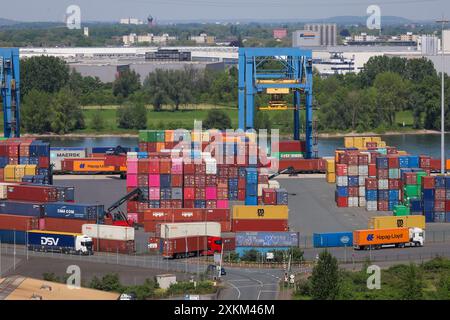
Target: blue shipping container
74,211
428,194
251,189
429,216
371,195
428,205
447,182
267,239
439,182
12,236
261,250
403,161
337,239
22,208
353,181
382,162
413,161
343,191
282,196
383,195
439,217
201,204
164,180
251,200
394,195
416,205
51,239
252,175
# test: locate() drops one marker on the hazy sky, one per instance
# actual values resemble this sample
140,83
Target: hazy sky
110,10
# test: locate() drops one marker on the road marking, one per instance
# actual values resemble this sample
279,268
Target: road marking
260,291
239,291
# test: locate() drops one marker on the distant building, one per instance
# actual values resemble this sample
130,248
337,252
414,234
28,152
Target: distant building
327,33
203,38
132,38
305,38
409,36
280,33
446,40
131,21
428,45
168,55
86,31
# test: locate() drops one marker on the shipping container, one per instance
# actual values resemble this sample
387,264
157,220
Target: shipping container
373,237
101,231
32,193
241,251
74,211
113,246
261,212
66,225
178,230
390,222
21,208
261,225
64,242
13,237
267,239
20,223
190,246
336,239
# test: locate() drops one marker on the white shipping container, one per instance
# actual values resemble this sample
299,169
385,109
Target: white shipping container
352,170
342,181
56,156
362,191
383,184
211,166
273,184
191,229
363,170
4,189
368,153
132,155
371,205
102,231
353,201
261,186
362,201
362,180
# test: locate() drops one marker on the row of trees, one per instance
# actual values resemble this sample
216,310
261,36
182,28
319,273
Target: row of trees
372,98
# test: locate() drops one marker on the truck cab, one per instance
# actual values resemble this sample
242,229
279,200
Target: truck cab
83,245
417,236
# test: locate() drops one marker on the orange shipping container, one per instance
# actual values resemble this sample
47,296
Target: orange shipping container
380,236
91,166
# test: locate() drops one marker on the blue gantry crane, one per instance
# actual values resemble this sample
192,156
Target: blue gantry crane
10,91
292,73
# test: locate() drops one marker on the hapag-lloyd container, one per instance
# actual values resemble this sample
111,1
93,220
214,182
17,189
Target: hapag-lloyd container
74,211
101,231
21,208
267,239
191,229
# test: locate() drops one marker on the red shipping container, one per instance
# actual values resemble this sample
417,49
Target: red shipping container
393,162
371,144
187,215
200,193
222,193
241,183
143,166
211,180
222,183
427,182
2,174
233,171
439,194
353,191
200,168
447,205
188,168
439,205
290,146
394,184
3,149
188,203
200,180
13,149
241,194
176,204
222,170
176,180
425,161
261,225
165,166
19,223
263,178
229,243
158,214
363,159
225,226
211,204
32,193
165,203
189,180
342,201
116,160
131,206
341,170
435,165
382,173
269,196
66,225
342,158
391,150
216,214
141,206
372,170
352,159
371,183
153,166
410,178
383,205
189,193
143,180
114,246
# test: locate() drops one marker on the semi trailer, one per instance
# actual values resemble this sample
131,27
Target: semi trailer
63,242
380,238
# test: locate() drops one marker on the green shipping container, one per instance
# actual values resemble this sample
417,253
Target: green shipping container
288,155
143,135
412,191
160,136
401,210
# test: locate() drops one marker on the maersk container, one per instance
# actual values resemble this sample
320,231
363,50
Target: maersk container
102,231
267,239
191,229
241,251
336,239
21,208
73,211
58,154
13,236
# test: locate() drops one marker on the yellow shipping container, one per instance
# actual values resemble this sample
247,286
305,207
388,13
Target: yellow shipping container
19,172
376,139
261,212
402,153
330,165
336,155
30,170
196,136
160,146
358,142
331,177
10,172
169,136
389,222
348,142
365,140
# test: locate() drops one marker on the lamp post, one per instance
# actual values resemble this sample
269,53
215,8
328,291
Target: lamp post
442,22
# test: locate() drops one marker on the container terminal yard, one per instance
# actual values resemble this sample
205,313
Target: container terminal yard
182,201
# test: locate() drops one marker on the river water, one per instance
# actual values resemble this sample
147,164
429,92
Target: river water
413,143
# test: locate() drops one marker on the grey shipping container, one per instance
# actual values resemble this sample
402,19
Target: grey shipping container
58,154
177,194
22,208
267,239
282,196
74,211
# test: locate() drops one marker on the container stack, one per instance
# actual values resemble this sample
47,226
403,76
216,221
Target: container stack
115,239
435,192
264,242
331,170
260,218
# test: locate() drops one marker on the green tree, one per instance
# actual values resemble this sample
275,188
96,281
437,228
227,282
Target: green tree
217,119
411,283
325,278
36,112
126,83
262,121
443,287
109,282
97,122
132,116
43,73
68,114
